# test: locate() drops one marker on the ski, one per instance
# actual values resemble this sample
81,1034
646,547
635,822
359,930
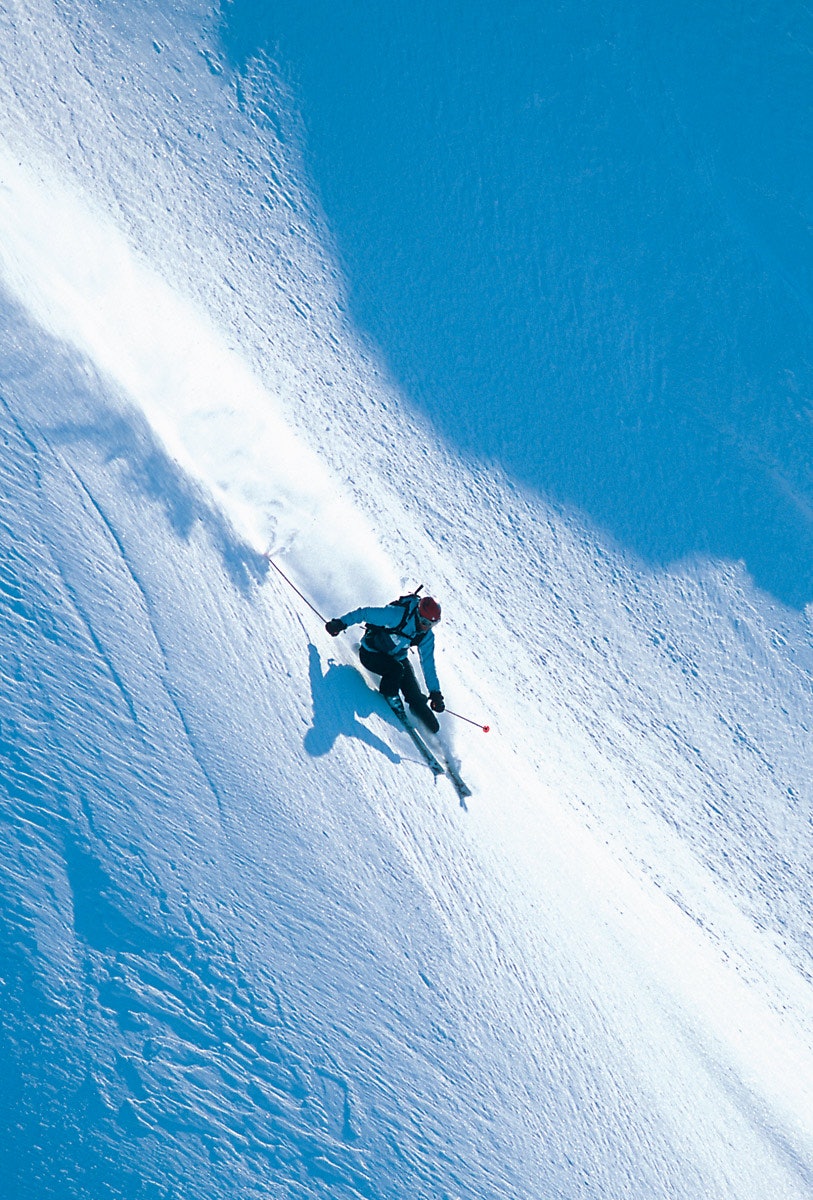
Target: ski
438,765
431,760
452,773
460,786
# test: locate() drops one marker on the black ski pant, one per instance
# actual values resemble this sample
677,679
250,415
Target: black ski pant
397,676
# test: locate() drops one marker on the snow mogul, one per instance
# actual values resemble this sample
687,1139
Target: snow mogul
389,634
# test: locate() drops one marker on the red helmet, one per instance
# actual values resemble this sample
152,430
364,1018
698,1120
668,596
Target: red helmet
429,610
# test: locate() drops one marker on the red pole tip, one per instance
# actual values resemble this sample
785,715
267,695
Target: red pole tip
486,728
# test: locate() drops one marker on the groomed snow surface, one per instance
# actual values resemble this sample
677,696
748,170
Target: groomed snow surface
249,947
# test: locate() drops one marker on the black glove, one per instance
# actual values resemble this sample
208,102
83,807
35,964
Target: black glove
335,627
436,701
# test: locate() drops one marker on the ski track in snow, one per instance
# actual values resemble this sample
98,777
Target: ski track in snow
251,948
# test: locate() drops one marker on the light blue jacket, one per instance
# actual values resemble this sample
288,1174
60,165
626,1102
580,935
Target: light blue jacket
397,645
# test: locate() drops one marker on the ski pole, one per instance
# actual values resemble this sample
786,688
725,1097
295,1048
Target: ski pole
293,585
460,717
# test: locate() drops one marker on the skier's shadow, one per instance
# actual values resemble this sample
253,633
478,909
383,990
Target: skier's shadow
340,696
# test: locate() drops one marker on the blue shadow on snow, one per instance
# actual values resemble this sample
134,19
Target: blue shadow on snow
340,696
579,237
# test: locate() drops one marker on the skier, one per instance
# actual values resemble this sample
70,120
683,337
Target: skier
389,634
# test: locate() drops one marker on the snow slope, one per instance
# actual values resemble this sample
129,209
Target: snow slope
580,234
248,947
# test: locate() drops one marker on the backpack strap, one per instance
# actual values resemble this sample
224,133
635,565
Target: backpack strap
408,607
406,603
